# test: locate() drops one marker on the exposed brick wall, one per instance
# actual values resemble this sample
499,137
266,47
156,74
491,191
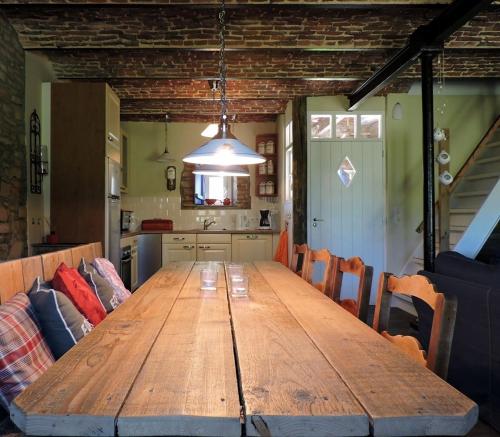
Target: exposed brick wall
12,149
234,2
198,118
252,64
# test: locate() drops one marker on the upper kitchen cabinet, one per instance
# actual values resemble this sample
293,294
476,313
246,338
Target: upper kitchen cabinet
83,118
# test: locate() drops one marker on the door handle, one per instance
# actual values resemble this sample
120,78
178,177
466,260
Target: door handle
178,238
317,220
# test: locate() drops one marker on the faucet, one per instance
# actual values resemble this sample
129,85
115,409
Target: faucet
207,222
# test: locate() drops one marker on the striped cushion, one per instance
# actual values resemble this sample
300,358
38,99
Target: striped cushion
107,270
62,325
101,288
24,354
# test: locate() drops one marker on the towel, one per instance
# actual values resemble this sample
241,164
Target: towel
281,254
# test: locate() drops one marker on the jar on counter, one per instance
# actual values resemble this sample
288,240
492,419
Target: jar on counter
270,147
262,188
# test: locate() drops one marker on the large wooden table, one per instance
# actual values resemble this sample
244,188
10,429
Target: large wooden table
284,361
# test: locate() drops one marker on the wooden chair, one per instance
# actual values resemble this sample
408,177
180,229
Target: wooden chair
299,252
443,323
353,266
313,257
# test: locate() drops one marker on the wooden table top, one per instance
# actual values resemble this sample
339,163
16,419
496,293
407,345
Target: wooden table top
286,360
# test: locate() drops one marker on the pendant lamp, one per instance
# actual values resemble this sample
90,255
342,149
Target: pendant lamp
224,148
165,156
221,170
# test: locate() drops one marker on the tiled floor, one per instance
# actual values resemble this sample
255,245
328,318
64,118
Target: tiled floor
401,322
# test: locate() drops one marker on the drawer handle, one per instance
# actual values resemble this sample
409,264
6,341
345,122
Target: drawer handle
188,247
178,238
252,237
204,247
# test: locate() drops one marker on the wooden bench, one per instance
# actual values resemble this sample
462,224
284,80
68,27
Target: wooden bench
18,275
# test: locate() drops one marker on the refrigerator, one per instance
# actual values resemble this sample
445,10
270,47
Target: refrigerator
112,213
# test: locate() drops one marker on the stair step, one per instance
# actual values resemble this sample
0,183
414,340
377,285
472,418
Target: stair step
488,160
482,176
471,193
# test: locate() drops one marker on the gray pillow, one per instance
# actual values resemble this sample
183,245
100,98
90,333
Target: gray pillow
101,288
62,325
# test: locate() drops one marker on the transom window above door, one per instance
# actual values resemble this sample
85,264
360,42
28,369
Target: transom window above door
346,126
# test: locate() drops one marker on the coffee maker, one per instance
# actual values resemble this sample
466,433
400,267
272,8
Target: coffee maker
265,219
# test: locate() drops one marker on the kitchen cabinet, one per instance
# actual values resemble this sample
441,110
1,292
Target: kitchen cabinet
124,162
213,252
252,247
178,252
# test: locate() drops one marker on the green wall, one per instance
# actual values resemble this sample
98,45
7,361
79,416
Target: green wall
467,117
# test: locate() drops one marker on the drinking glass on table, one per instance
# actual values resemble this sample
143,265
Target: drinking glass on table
234,270
208,279
238,285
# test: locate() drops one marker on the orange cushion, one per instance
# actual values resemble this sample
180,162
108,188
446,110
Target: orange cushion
350,305
69,282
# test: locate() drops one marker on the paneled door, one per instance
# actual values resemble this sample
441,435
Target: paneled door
347,194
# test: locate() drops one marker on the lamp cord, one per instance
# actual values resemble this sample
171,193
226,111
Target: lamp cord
222,63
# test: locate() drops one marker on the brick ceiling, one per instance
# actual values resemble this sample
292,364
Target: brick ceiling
158,55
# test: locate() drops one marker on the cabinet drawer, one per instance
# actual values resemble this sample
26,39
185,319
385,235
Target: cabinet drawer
213,252
214,238
253,237
178,252
178,238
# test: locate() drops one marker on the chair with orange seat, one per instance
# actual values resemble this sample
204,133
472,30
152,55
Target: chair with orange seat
437,356
299,252
312,258
353,266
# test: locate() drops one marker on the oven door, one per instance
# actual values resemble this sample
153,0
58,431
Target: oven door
126,267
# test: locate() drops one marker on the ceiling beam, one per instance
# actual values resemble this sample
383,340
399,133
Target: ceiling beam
428,37
196,118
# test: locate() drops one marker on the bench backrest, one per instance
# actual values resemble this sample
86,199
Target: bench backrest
19,275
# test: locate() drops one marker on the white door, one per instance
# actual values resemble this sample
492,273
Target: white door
347,210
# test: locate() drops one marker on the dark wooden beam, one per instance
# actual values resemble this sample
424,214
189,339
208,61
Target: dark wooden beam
428,160
430,36
299,169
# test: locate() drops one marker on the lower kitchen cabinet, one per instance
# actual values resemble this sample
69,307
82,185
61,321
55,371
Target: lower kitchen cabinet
178,252
252,247
213,252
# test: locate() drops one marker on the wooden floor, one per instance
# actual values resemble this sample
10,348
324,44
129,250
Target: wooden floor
401,322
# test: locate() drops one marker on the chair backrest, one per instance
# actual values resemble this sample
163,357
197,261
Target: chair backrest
298,257
353,266
437,357
312,258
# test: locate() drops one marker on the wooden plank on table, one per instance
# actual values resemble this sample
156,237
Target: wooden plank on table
400,396
288,386
188,385
82,393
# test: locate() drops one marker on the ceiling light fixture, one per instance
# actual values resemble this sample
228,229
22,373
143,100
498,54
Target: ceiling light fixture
165,156
224,148
220,170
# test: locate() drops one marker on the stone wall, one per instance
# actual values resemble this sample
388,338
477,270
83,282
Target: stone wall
13,242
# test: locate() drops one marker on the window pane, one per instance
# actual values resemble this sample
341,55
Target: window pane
370,126
345,126
288,174
321,126
346,172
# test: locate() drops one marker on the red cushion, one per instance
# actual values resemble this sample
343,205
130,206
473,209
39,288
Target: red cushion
78,291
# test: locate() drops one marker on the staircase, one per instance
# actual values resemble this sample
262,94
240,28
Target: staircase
474,182
471,187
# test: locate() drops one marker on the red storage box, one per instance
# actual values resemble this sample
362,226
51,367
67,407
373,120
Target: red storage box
157,225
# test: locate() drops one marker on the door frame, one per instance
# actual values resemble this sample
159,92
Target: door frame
332,139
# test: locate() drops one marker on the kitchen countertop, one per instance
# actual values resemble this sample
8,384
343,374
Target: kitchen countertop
201,231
